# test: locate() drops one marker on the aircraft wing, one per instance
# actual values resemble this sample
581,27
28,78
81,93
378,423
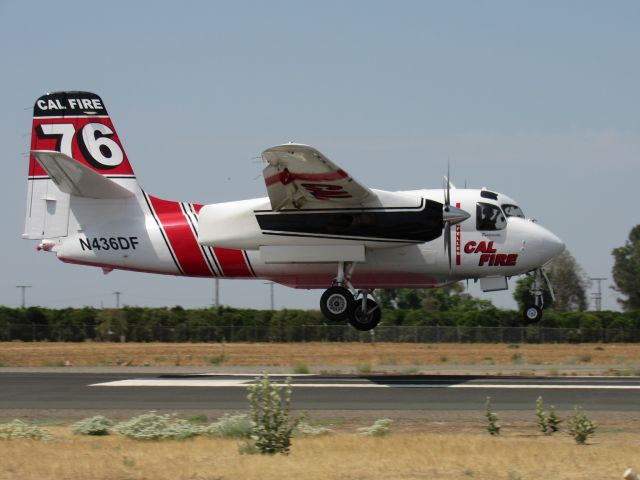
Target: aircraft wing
299,174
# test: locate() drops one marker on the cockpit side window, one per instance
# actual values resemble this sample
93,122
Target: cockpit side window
512,211
489,217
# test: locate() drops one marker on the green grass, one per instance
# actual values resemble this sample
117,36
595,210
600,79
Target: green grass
364,368
300,369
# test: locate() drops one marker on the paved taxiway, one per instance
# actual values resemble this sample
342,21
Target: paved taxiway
117,391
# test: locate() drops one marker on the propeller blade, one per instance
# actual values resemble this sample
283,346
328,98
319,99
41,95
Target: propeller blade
447,242
447,191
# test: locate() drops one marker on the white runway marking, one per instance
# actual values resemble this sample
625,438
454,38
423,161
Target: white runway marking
234,382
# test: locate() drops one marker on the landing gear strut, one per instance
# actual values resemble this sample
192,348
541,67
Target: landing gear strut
533,312
339,304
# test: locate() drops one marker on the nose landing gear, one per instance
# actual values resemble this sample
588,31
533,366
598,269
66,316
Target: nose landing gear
339,304
533,312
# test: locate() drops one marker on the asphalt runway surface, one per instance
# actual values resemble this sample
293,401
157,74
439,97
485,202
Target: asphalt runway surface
118,391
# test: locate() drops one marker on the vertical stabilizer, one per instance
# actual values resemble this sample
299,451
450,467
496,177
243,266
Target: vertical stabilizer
77,125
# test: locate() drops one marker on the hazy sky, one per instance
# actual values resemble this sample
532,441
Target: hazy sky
538,100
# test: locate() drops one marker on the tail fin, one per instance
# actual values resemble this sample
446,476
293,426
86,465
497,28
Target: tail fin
77,125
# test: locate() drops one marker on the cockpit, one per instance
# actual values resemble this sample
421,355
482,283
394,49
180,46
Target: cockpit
512,211
490,216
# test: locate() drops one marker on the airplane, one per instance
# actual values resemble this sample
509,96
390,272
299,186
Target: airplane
318,228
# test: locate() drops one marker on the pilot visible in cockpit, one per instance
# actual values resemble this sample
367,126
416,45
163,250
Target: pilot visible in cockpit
487,220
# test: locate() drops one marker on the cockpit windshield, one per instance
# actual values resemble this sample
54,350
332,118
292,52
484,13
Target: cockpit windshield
489,217
512,211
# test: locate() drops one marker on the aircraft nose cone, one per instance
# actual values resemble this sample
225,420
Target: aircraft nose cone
553,244
454,215
550,245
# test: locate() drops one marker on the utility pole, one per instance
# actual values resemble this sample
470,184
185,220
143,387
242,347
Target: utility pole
24,296
216,292
117,294
271,294
597,295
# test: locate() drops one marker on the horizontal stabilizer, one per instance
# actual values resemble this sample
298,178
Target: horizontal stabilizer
74,178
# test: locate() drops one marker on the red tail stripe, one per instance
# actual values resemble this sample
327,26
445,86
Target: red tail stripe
286,177
181,237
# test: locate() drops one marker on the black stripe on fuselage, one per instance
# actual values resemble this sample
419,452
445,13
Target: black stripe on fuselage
346,209
385,225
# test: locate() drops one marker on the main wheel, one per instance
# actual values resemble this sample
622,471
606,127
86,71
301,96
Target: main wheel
532,314
335,304
366,320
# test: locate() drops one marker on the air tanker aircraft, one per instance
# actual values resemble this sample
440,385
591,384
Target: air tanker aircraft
318,228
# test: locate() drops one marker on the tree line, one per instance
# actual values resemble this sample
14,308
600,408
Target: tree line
216,324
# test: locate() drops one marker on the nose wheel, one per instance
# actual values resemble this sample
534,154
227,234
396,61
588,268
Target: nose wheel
533,312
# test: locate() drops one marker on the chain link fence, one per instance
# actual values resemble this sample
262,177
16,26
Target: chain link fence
316,333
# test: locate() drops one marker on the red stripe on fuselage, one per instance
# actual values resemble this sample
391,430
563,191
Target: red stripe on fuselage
181,237
232,262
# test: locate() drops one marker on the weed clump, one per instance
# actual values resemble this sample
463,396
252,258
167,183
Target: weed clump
231,426
493,425
580,427
380,428
152,426
272,428
300,369
306,430
17,429
97,425
549,423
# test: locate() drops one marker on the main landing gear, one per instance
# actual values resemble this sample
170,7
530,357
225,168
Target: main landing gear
339,304
533,312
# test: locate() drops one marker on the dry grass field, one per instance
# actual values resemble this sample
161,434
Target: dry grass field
20,354
521,455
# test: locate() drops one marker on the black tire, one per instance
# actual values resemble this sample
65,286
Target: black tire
532,314
335,304
362,322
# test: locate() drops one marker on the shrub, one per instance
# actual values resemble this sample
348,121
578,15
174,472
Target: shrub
300,369
271,427
97,425
553,420
231,426
549,423
364,369
305,430
18,429
151,426
380,428
493,426
580,427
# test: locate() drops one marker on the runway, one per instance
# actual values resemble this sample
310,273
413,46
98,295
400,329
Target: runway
118,391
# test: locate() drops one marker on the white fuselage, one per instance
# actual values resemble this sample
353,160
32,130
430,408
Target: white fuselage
143,233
